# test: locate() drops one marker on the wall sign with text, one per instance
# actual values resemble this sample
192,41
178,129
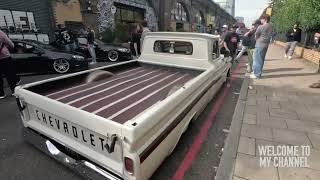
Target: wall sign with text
19,19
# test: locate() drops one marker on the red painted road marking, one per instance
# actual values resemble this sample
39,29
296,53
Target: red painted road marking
203,133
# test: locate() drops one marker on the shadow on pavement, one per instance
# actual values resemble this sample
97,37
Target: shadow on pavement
281,69
287,75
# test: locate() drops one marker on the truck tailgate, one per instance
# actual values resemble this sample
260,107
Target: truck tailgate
88,135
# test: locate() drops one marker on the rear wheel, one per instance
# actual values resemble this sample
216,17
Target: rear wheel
61,66
113,56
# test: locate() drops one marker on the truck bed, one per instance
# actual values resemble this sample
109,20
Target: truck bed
121,97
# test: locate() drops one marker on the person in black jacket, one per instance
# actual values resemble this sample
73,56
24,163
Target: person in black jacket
231,42
293,37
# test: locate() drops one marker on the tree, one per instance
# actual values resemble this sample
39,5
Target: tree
288,12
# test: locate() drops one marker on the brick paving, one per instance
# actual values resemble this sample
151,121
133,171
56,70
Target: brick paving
280,110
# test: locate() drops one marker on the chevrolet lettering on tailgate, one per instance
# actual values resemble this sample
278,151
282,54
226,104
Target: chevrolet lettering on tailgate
82,134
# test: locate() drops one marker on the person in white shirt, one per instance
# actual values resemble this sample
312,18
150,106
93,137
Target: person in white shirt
145,30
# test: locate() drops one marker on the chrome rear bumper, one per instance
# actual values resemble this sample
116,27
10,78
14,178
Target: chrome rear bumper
84,168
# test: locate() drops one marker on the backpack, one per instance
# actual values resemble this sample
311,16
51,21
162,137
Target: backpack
246,41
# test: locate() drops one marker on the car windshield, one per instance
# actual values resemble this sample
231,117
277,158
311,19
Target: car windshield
82,40
42,45
46,46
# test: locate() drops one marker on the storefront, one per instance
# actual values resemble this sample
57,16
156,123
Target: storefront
112,12
199,22
128,14
180,20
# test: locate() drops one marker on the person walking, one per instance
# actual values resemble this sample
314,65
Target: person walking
231,42
293,37
90,39
317,40
7,66
136,36
262,35
244,46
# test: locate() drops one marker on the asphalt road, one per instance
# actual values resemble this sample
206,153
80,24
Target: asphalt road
21,161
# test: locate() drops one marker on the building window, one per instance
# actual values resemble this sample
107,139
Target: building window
199,18
179,13
128,14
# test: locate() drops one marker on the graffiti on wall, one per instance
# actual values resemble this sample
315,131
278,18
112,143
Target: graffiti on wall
106,18
19,19
24,21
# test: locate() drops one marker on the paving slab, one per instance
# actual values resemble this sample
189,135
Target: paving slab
271,122
251,109
281,113
248,167
304,126
315,140
308,116
255,131
298,174
238,178
250,119
290,137
314,159
247,145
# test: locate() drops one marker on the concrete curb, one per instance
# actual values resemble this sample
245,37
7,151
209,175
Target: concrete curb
227,161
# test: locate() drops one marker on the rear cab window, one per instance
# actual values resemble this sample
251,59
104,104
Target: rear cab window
215,50
173,47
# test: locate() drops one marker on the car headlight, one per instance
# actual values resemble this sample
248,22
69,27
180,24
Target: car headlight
79,58
123,50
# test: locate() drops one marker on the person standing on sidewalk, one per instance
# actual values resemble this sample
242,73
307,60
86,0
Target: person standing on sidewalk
251,44
231,42
7,66
135,38
263,35
90,39
293,37
145,30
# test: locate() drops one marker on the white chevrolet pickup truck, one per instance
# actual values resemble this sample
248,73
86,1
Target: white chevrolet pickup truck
123,122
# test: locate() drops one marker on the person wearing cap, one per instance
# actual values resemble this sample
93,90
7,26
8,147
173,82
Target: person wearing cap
231,42
263,35
224,32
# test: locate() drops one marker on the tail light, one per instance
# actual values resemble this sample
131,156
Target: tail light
128,163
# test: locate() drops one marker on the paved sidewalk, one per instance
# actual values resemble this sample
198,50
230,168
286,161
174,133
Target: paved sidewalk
280,110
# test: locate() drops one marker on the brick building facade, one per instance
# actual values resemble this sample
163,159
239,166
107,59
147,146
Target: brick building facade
162,15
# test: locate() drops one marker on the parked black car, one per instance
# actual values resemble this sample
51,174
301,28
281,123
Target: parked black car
34,56
104,52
